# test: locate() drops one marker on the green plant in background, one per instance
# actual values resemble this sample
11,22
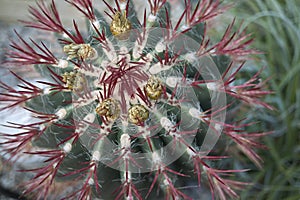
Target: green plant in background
277,31
133,109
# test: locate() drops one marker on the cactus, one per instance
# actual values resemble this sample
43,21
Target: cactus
133,108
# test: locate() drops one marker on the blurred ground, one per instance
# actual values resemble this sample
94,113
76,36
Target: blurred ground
9,177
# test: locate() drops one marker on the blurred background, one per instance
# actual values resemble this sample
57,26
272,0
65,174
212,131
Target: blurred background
13,10
276,26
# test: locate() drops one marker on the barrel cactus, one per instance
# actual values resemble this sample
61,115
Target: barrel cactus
133,108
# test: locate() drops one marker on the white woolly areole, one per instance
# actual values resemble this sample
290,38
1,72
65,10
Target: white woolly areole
160,47
195,113
155,69
190,152
96,23
65,35
91,181
61,113
166,123
218,127
125,141
146,134
166,182
123,50
128,174
96,156
151,18
42,127
190,57
62,63
42,60
111,54
54,166
104,63
233,89
158,67
138,49
213,52
47,90
149,58
156,158
67,147
175,134
89,117
212,86
95,54
94,72
123,6
173,81
184,27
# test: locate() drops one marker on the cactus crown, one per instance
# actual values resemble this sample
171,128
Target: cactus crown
137,102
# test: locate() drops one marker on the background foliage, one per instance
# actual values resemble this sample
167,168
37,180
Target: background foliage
276,27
